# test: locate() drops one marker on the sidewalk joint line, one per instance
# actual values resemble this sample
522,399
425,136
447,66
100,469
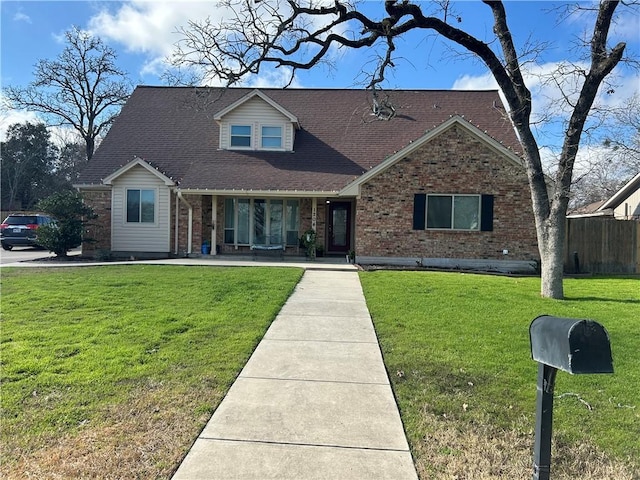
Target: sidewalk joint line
311,380
298,444
316,341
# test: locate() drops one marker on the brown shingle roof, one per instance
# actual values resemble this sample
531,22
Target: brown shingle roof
173,129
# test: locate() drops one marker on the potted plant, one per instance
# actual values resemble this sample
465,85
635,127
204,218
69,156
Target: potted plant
308,240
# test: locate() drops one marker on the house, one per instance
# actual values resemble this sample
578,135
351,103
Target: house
590,210
625,203
419,177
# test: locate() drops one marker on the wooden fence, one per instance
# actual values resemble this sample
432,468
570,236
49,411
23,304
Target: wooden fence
602,245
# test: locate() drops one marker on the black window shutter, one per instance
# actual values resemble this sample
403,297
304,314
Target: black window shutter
486,214
419,210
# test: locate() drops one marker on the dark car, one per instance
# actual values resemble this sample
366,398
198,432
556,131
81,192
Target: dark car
21,230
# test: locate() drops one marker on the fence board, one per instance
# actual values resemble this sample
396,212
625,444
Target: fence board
602,245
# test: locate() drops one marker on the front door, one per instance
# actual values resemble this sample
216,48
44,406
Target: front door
339,227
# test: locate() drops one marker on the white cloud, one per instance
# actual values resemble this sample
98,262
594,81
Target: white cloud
479,82
22,17
10,117
149,28
273,78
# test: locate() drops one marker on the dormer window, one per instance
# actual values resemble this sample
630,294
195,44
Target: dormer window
255,122
241,136
271,137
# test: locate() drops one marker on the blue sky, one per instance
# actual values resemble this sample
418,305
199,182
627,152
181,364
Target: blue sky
143,33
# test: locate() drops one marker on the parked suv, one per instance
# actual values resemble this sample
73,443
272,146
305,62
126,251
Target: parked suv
21,230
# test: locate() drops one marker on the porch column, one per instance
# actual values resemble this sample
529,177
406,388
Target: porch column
214,218
314,213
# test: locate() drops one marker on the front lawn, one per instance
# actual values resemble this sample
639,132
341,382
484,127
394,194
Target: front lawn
111,372
457,350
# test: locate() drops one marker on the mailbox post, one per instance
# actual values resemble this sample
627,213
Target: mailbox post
572,345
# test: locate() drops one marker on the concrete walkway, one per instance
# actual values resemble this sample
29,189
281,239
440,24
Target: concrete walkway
312,402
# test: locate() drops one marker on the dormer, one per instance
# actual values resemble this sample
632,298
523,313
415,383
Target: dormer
256,122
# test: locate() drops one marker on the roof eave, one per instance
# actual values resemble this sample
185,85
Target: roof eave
353,189
257,93
618,197
137,161
261,193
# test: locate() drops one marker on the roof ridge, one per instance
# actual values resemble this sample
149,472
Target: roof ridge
317,89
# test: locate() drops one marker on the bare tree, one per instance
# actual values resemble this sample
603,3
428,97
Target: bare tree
82,88
288,34
613,157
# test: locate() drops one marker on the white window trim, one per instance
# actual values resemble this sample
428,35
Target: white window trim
282,133
267,220
155,206
453,211
250,136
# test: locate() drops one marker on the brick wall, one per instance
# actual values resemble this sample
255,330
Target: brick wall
455,162
97,234
195,201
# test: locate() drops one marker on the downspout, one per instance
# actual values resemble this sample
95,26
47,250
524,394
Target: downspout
189,222
214,219
175,227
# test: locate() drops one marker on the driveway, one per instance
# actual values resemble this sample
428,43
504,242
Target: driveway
25,254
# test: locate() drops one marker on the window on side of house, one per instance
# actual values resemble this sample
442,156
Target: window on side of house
261,221
292,221
240,136
236,221
141,206
455,212
271,137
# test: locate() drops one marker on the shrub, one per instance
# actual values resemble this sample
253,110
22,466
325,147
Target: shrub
70,214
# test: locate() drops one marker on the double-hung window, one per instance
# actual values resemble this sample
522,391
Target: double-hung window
141,206
271,137
241,136
261,221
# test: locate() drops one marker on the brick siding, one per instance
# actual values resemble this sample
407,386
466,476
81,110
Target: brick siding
195,201
97,234
455,162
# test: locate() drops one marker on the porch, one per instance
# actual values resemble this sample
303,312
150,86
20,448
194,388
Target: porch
253,226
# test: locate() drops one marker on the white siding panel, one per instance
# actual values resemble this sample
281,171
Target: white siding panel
630,208
256,112
140,237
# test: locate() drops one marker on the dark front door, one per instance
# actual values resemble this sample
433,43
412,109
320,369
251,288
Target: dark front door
339,227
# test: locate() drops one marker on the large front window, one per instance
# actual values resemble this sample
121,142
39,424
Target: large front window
141,206
267,221
457,212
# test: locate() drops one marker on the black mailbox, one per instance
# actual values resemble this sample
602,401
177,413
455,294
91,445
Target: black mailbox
571,345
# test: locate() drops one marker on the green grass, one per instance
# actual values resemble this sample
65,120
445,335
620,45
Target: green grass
98,362
78,343
457,348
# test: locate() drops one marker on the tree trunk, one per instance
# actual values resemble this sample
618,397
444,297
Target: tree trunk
551,234
90,146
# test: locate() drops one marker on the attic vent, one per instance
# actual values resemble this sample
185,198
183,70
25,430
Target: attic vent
382,109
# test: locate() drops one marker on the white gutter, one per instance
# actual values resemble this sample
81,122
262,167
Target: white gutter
175,227
263,193
189,224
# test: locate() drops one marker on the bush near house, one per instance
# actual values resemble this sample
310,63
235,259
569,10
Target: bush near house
71,215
